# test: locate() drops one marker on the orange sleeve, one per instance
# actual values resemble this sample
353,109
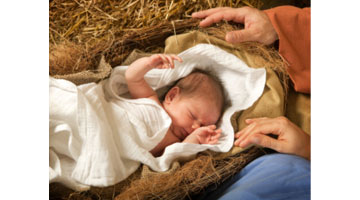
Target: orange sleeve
292,25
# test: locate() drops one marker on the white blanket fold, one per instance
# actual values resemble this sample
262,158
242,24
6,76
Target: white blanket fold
98,137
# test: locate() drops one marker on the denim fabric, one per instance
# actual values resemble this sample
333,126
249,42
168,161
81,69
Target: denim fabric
275,176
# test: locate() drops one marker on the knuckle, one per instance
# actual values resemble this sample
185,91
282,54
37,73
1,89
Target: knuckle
246,8
236,36
264,142
255,124
257,32
283,120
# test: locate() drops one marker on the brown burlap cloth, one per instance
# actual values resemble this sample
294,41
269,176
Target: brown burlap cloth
186,179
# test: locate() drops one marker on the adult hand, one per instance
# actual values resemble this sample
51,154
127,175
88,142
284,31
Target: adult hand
291,139
258,26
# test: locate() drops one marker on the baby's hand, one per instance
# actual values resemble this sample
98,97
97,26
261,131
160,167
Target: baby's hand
204,135
163,61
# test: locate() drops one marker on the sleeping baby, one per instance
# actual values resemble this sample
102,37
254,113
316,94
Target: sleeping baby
98,136
194,104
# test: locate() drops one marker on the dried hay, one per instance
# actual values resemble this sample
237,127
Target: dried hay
88,29
190,179
182,182
82,31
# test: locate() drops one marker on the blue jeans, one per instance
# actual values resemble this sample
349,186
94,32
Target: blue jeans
274,176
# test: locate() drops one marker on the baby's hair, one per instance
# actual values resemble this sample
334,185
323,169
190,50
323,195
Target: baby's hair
204,83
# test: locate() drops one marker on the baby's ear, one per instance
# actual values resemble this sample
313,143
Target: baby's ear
172,94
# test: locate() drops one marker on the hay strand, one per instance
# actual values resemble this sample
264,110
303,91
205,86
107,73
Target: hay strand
93,26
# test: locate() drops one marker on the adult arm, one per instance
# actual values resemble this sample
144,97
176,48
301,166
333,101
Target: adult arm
290,25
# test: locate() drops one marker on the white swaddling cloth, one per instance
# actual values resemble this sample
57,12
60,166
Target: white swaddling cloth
98,138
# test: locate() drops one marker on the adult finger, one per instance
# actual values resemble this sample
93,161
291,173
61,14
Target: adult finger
265,141
245,132
216,17
205,13
264,125
259,126
251,120
243,35
247,128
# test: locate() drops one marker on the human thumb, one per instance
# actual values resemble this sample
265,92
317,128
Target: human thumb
266,141
239,36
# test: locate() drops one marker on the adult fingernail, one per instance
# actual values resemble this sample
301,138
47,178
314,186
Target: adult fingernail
241,144
229,37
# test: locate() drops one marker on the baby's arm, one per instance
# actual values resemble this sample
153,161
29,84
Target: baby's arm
135,73
204,135
166,141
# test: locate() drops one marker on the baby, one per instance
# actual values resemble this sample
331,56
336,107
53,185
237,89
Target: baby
194,104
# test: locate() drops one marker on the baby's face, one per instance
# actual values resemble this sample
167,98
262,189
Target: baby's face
189,113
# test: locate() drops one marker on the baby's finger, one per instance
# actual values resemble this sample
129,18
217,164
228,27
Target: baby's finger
218,131
165,61
155,60
171,61
209,129
213,126
215,137
175,57
213,142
